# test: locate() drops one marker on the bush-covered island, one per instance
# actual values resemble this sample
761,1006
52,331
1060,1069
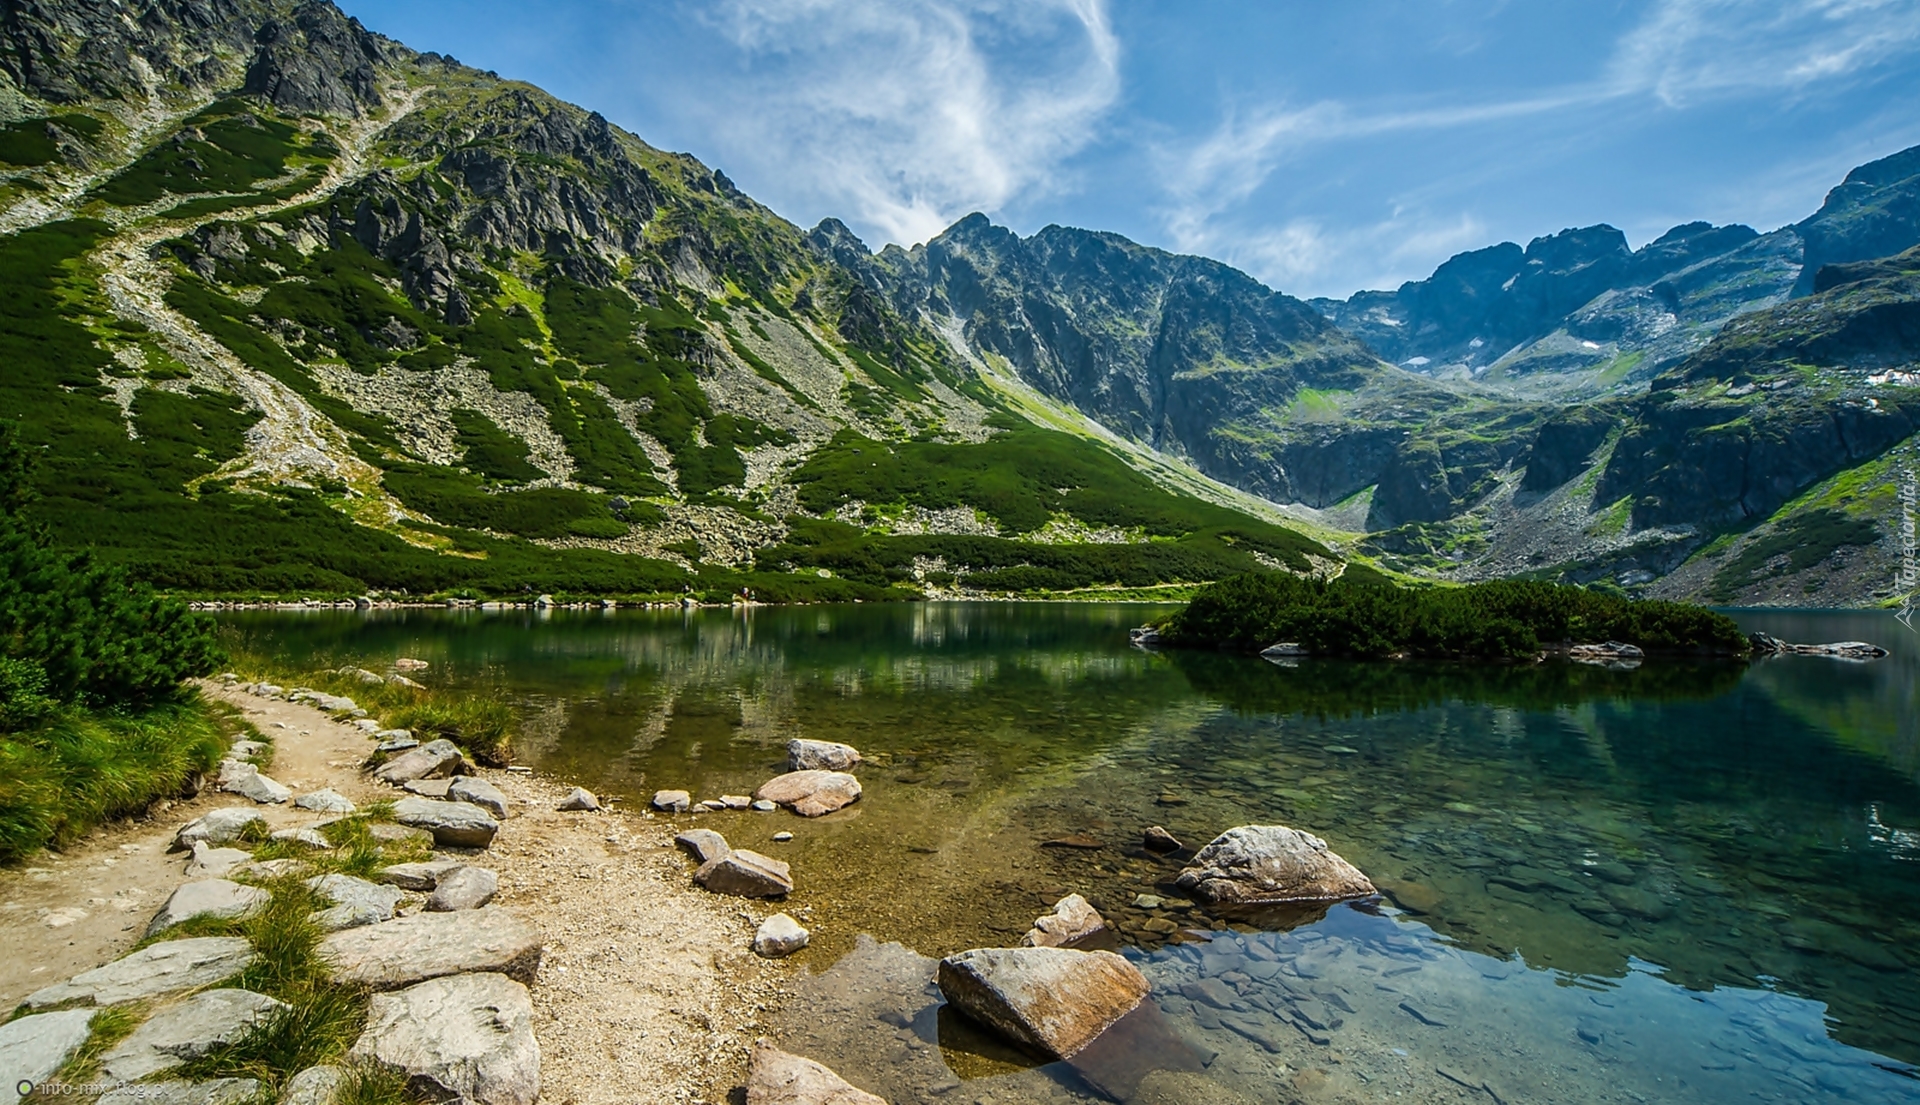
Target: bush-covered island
1367,617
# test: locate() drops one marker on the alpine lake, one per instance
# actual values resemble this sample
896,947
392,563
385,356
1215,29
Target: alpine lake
1685,882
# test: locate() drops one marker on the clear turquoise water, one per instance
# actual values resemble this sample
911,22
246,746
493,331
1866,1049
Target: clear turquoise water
1686,882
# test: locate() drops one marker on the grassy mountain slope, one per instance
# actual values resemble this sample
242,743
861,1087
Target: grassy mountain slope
313,313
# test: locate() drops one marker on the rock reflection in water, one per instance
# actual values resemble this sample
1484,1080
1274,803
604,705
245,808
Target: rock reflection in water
1359,1006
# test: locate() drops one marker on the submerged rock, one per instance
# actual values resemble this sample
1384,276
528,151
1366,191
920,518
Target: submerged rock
1073,919
1051,1001
208,898
469,1037
745,874
1270,863
811,793
776,1077
809,755
780,935
1160,840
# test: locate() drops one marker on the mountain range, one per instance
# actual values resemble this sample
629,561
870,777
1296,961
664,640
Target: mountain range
293,309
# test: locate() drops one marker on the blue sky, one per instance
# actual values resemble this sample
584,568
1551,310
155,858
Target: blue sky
1322,147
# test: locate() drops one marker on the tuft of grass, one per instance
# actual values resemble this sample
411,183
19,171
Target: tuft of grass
372,1084
108,1027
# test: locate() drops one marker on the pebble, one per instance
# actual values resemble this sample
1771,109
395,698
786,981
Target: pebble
764,806
782,837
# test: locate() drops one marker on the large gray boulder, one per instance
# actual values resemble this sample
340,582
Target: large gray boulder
465,888
811,793
355,901
704,845
413,949
33,1048
1255,864
478,792
469,1036
210,1019
1073,919
453,824
431,760
217,827
163,968
219,898
219,1091
420,876
745,874
806,755
1051,1001
776,1077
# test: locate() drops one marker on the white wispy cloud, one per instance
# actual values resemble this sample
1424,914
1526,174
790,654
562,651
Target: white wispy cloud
1681,52
906,114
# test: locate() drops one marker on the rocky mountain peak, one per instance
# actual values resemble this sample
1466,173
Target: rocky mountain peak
317,61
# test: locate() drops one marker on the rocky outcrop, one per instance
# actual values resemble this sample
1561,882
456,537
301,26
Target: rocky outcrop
430,945
1256,864
1874,212
775,1077
1050,1001
319,62
811,793
812,755
1073,919
468,1037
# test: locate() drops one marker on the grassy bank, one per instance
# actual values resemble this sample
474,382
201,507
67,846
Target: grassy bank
1507,619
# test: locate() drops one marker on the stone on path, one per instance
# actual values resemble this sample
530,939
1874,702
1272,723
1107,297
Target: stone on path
478,792
355,901
471,1036
367,725
465,888
1073,918
395,744
428,945
1160,840
1270,863
210,862
222,826
194,1027
304,835
777,1077
806,755
420,876
745,874
670,801
33,1048
704,845
269,869
430,760
246,750
453,824
780,935
313,1086
428,788
811,793
1051,1001
385,833
324,801
220,1091
250,784
220,898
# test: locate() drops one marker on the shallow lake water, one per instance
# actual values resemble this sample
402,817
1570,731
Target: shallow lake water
1685,882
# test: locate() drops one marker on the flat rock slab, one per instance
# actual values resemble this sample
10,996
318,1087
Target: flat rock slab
325,801
478,792
1255,864
217,827
1073,919
355,901
745,874
811,793
33,1048
704,845
413,949
419,876
471,1036
453,824
429,761
1051,1001
428,788
209,862
189,1030
465,888
220,1091
777,1077
806,755
208,898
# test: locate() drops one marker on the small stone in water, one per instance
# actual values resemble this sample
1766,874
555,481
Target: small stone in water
1147,901
764,806
783,836
1342,750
